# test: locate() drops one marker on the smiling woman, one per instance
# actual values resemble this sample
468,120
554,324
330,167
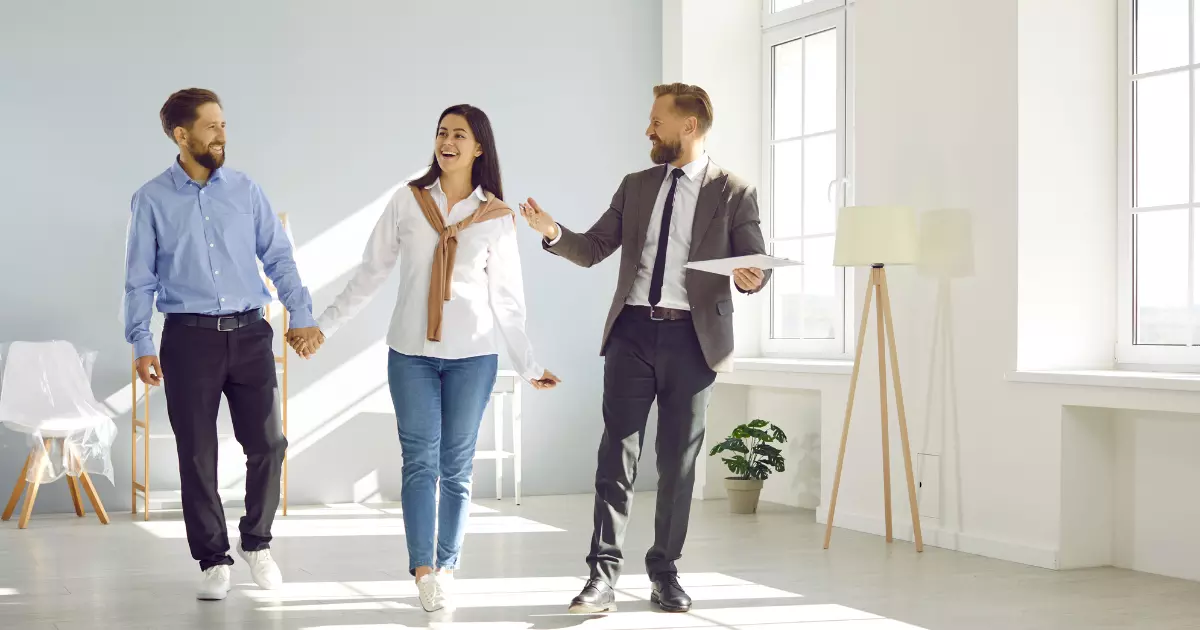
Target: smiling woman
464,137
461,281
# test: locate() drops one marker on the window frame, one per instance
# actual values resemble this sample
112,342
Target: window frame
780,28
1128,354
773,18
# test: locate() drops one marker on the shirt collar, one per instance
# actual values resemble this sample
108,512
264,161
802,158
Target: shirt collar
436,186
695,169
180,178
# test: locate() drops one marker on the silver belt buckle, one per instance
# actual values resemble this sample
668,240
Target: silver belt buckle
223,318
655,314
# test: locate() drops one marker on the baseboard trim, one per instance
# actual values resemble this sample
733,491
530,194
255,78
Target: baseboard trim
933,536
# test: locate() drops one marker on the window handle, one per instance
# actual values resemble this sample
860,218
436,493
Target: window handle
830,194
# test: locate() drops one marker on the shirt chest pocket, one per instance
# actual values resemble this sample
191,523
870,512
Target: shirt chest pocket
229,224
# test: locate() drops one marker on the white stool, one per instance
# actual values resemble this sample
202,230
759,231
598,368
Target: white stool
508,384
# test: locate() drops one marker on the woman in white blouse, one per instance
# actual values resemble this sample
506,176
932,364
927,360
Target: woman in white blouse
460,281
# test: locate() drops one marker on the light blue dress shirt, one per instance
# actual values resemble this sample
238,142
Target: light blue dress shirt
198,248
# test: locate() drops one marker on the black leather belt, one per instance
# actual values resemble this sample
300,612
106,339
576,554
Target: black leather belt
223,323
658,313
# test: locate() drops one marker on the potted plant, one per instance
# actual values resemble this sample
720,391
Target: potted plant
752,459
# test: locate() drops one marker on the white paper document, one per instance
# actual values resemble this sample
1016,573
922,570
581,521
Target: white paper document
725,266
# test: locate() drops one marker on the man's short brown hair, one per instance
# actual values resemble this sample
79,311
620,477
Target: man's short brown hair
180,108
690,100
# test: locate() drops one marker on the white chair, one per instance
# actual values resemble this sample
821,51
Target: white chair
46,394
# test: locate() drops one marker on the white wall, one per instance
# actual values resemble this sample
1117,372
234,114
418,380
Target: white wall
1005,109
936,127
328,108
1067,151
1155,506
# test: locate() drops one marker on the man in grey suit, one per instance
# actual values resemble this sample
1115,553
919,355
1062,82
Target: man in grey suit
669,329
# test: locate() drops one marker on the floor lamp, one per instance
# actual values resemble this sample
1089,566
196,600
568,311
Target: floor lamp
876,236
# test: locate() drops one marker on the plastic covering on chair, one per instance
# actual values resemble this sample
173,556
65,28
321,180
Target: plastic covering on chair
46,394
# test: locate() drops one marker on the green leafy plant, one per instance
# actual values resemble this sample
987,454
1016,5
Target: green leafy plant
753,456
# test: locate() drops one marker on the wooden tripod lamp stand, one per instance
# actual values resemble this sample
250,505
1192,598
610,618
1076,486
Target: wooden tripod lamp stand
876,236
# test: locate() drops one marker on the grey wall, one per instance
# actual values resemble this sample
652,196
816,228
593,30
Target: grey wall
329,105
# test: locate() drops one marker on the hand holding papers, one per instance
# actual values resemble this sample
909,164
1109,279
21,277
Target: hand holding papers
725,266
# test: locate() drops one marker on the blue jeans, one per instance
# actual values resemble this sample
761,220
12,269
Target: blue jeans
439,405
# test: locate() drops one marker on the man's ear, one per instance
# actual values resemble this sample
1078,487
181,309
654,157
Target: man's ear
180,135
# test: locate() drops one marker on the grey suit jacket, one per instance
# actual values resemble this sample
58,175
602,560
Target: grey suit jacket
726,224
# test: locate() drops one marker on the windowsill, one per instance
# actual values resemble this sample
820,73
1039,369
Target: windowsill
795,366
1172,381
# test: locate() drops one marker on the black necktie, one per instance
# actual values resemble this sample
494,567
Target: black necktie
660,258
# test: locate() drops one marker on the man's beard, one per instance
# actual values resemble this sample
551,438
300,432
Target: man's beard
664,152
204,156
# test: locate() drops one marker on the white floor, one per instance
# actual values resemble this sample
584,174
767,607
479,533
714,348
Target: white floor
346,569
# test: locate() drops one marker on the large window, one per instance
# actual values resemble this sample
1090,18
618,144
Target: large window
1159,192
805,161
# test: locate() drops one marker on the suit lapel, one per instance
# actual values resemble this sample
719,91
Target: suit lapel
647,196
706,205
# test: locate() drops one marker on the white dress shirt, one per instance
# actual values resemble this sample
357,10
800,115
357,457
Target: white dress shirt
486,288
679,239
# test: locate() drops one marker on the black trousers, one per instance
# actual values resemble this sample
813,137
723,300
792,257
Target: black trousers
646,361
199,365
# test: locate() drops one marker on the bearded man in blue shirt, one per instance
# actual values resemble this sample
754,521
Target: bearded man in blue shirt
196,235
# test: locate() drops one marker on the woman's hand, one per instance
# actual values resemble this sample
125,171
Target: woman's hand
539,219
548,381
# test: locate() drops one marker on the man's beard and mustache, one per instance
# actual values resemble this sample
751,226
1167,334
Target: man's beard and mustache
205,157
662,152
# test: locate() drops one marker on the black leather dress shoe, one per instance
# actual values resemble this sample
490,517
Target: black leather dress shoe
668,594
596,597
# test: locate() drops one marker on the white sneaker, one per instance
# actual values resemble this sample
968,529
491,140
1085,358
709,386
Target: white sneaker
264,570
215,583
433,598
445,580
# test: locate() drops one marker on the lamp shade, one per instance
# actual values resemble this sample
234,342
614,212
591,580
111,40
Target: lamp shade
875,235
946,245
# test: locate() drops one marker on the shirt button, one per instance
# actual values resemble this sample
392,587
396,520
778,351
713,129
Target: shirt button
222,299
211,245
201,191
218,273
208,218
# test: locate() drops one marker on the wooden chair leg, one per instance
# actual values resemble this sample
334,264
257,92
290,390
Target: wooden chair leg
18,490
31,491
75,499
97,506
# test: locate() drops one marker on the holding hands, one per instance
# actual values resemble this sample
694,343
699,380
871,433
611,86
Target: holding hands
305,341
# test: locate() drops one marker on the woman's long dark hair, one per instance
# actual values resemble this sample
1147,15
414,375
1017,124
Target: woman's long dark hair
485,172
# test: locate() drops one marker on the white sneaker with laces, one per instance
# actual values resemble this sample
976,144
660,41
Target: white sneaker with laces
214,585
445,580
433,598
262,568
